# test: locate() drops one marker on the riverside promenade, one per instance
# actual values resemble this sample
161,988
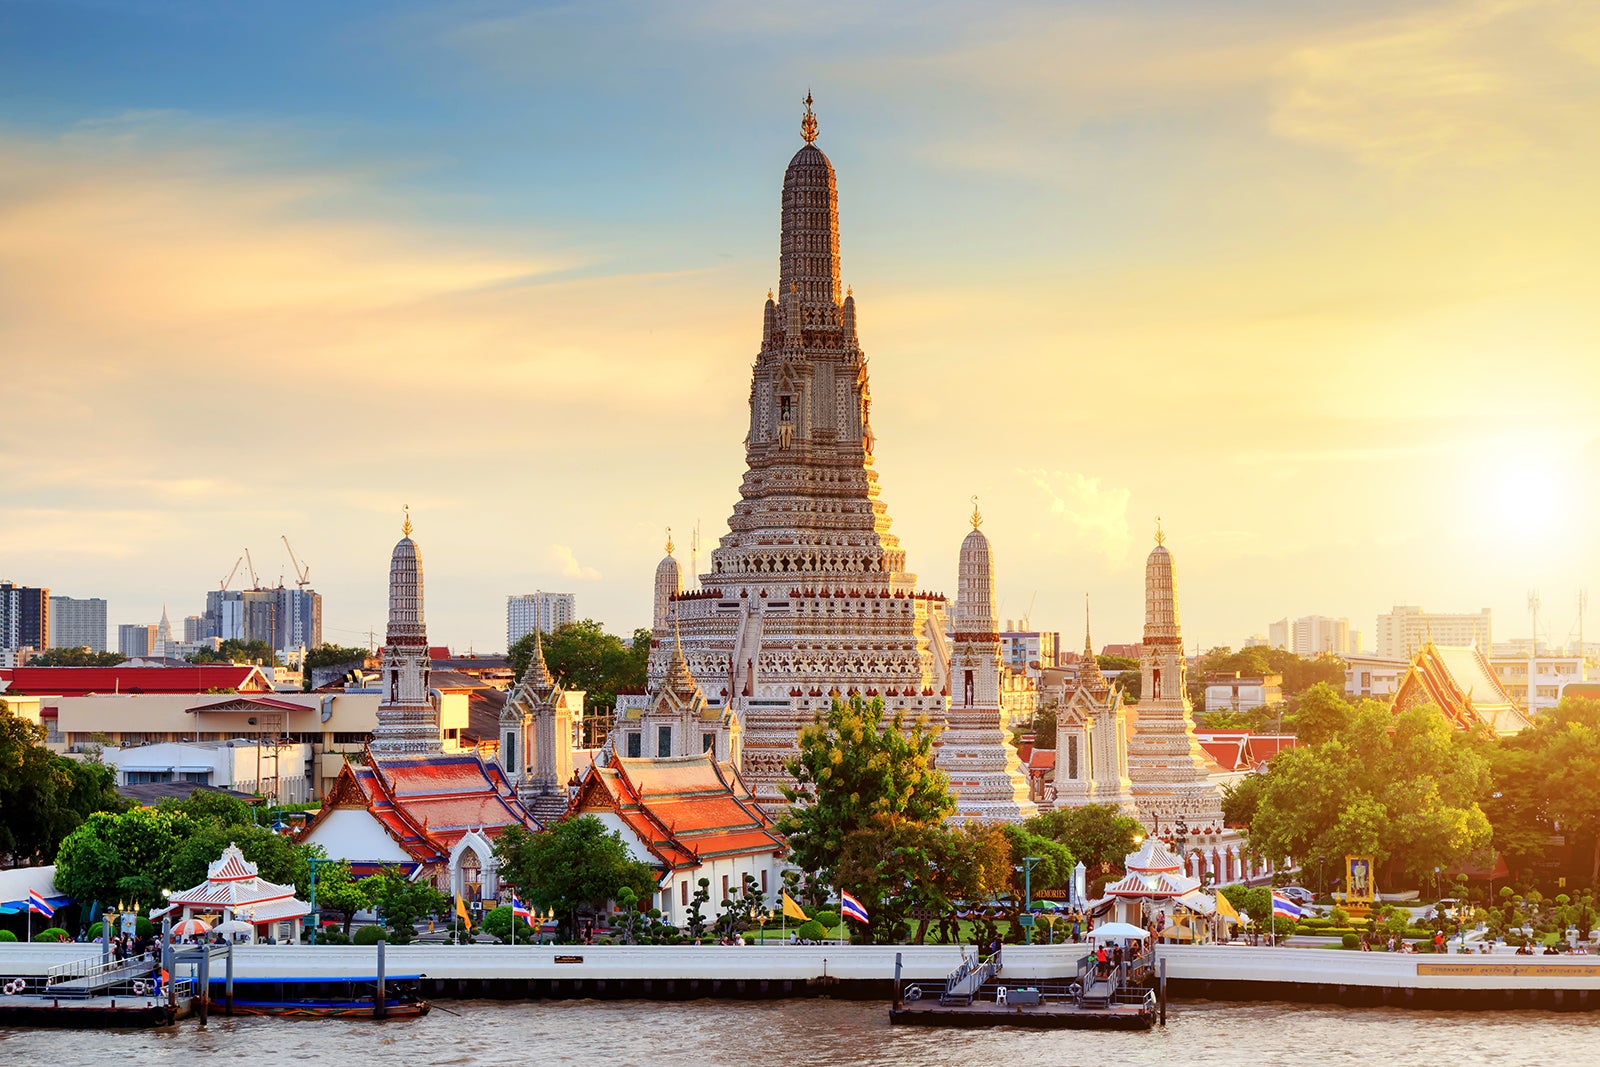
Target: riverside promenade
1310,975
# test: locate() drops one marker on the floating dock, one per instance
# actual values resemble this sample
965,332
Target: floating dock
977,994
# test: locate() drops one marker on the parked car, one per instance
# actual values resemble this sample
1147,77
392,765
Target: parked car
1298,894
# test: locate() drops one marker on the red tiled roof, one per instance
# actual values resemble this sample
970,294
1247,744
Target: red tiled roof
684,809
81,681
1041,760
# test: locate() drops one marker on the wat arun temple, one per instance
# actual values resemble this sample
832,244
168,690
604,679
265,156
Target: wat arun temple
808,597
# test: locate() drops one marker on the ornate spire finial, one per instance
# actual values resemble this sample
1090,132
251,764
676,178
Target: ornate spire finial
1088,646
405,528
849,290
1161,537
769,294
808,125
977,517
669,540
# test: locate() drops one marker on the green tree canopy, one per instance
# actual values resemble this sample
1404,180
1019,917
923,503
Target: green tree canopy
1094,833
401,902
234,650
1397,787
329,655
583,656
853,768
76,657
1545,777
575,865
44,797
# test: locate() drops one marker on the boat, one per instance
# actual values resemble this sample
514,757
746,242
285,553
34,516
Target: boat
975,994
321,998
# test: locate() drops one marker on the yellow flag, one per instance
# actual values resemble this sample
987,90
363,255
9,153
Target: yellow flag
462,912
791,909
1225,909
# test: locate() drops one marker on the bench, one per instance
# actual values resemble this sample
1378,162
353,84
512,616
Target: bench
1026,998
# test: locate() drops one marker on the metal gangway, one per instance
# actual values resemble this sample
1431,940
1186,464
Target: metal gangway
963,983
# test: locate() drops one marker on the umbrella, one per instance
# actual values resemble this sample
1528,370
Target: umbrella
1117,930
1048,905
190,928
235,926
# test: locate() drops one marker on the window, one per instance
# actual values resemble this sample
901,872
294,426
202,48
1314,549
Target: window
663,740
708,742
1072,757
509,752
763,882
683,892
635,744
1155,684
203,777
342,738
967,692
785,409
724,887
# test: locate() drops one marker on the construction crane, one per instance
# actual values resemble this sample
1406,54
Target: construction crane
1027,618
231,573
301,574
255,581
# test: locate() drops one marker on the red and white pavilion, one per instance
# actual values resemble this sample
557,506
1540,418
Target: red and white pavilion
233,891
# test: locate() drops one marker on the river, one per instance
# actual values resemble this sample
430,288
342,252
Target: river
827,1034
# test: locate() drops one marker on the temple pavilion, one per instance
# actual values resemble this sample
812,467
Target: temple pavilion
1155,889
1459,681
233,891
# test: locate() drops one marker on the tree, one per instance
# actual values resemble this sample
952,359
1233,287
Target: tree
1321,714
583,656
234,650
123,857
44,797
1543,778
332,655
1130,682
497,923
338,889
854,768
1044,727
1403,787
402,902
1094,833
76,657
574,865
1117,664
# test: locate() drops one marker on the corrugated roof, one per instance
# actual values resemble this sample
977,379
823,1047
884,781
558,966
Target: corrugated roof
81,681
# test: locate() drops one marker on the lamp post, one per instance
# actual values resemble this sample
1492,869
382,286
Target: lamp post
316,920
1027,893
1181,828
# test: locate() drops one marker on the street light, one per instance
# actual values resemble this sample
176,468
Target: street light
316,919
1027,893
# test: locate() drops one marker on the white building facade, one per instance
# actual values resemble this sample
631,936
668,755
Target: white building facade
545,612
1407,628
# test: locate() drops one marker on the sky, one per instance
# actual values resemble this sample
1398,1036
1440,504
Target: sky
1314,282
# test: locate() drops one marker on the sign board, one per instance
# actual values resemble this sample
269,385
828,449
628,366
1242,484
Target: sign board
1025,919
130,923
1359,887
924,914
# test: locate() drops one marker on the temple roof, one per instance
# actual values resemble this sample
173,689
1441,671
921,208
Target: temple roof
231,882
683,809
427,802
1462,684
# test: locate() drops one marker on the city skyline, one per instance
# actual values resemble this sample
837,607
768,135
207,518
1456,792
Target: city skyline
1311,285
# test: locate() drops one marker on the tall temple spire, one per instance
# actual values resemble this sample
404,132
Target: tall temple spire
808,124
1089,675
407,720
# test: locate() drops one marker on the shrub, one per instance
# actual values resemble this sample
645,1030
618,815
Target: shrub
7,935
811,930
53,933
367,935
1338,917
828,919
1351,940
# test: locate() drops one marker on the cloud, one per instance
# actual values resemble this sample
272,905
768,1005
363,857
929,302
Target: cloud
560,556
1475,83
1096,515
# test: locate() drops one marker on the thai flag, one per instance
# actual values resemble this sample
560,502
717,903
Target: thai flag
1285,908
851,907
519,910
39,905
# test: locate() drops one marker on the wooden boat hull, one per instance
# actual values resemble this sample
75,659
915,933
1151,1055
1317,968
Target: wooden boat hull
328,1010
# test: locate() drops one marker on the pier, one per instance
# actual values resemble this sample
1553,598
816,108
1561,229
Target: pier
618,972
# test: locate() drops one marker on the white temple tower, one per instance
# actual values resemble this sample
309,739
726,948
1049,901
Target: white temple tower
1169,773
669,583
1092,739
164,646
807,598
408,722
536,737
984,771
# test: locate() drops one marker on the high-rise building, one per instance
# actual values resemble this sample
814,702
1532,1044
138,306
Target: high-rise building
78,623
194,629
807,596
1407,628
545,612
284,618
136,641
24,616
1314,635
